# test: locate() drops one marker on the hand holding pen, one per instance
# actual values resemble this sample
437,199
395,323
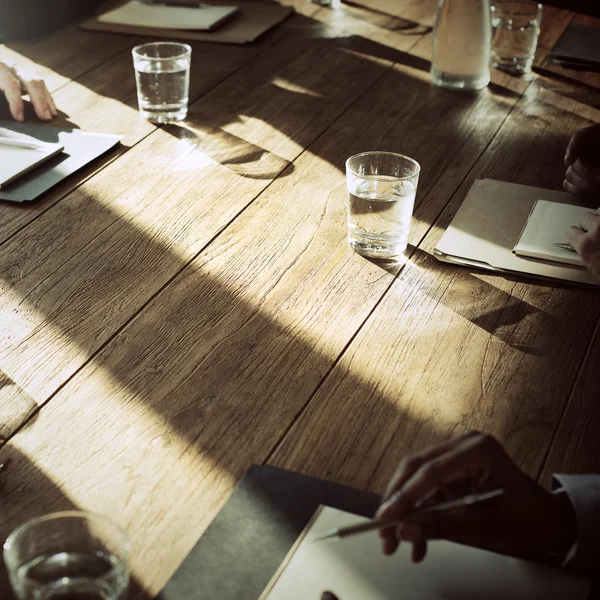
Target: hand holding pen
526,520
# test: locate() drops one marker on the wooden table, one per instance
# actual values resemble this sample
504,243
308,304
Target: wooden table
189,305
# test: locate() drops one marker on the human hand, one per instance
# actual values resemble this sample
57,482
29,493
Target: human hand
585,240
15,81
583,162
526,521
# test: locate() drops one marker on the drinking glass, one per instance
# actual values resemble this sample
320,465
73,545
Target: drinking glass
68,555
516,27
381,195
162,75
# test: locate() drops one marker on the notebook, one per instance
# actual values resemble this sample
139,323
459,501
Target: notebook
356,569
578,44
16,160
488,225
543,236
253,20
203,17
80,148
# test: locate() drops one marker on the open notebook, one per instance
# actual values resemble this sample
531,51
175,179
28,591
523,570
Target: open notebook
543,236
15,161
489,223
355,569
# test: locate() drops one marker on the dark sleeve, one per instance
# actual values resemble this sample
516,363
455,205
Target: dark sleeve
584,493
26,19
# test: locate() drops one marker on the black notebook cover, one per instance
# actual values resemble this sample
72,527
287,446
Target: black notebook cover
242,548
80,148
579,43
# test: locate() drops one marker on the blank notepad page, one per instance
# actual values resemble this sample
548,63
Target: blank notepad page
355,569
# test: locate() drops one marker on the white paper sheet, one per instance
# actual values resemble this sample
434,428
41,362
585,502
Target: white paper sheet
140,14
355,569
15,162
546,227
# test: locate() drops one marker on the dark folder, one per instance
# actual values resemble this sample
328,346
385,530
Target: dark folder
80,148
578,46
245,544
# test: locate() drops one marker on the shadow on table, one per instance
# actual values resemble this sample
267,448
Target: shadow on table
286,105
19,503
226,372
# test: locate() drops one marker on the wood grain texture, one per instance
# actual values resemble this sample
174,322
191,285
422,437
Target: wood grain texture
96,103
449,350
576,447
202,291
420,11
65,54
215,369
77,273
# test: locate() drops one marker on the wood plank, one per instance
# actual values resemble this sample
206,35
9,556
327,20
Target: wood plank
66,54
448,349
420,11
376,26
216,368
576,448
77,273
95,103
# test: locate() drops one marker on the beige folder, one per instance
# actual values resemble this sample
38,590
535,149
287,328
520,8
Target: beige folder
489,223
249,23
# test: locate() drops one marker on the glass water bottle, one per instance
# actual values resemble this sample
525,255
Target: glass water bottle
462,44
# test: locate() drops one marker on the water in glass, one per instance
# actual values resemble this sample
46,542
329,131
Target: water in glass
163,89
514,43
380,210
72,576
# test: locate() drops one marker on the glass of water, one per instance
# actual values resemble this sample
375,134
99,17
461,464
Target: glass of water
516,27
68,556
381,196
162,74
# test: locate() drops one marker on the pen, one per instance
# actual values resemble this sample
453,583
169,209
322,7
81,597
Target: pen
464,501
20,144
565,246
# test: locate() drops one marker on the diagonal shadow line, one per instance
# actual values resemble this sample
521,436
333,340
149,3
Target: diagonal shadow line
196,401
198,397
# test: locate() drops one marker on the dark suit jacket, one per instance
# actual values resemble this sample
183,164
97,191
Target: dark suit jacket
24,19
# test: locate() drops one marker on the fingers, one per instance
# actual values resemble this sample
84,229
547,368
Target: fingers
575,238
422,475
406,469
472,453
590,222
40,97
585,240
582,144
328,596
11,86
583,184
409,465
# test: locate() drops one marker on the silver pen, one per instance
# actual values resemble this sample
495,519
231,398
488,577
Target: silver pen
20,144
461,502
